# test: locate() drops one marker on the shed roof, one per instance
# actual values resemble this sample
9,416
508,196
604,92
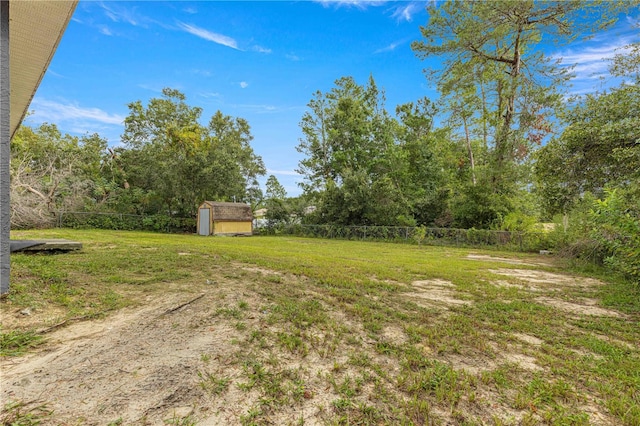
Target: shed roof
222,211
34,33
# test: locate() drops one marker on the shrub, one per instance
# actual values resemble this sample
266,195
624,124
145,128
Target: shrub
127,222
604,231
616,227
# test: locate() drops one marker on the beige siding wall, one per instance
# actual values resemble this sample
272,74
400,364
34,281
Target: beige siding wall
232,227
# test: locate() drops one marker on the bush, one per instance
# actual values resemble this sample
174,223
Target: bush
605,232
616,227
127,222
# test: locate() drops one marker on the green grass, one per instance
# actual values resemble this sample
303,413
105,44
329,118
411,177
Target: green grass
213,383
342,318
16,342
18,413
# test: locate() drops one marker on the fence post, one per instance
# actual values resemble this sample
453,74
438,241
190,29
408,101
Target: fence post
521,241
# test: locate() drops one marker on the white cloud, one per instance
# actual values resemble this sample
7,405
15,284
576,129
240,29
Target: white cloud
292,57
360,4
204,73
389,48
150,87
261,49
119,13
208,95
191,10
392,46
401,10
244,84
105,30
209,35
591,60
406,12
56,112
55,74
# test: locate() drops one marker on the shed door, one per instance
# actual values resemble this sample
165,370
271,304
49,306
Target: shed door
203,223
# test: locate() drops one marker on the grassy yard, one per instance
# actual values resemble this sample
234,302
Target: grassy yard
346,332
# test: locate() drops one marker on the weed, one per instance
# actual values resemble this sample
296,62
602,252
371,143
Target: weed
18,342
19,413
212,383
342,404
417,411
250,418
189,420
293,343
274,279
234,313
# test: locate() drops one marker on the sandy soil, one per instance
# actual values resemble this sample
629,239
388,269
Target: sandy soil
141,365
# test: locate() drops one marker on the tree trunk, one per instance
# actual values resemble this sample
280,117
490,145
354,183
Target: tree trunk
469,149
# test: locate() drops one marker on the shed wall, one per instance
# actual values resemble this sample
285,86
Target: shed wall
232,227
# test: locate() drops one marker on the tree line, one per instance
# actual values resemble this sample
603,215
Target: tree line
501,147
167,164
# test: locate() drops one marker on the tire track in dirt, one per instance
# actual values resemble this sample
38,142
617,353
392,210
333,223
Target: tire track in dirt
135,365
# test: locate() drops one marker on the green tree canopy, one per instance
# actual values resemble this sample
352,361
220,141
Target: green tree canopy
177,162
496,75
600,146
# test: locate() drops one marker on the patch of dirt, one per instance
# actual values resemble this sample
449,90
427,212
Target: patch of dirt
548,281
487,258
28,318
524,361
437,292
532,340
508,284
257,270
596,417
472,365
378,280
482,362
628,345
143,364
394,335
132,365
587,307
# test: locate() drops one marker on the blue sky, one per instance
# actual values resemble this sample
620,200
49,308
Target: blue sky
258,60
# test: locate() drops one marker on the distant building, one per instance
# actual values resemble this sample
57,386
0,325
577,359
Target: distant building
219,218
260,218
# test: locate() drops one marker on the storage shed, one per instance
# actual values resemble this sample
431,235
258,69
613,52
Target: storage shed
218,218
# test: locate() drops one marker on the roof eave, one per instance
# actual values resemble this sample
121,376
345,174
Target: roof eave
35,31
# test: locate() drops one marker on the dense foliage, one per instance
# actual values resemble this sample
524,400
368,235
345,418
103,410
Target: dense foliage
491,162
168,164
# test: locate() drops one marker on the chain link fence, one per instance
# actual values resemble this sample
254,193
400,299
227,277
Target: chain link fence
521,241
